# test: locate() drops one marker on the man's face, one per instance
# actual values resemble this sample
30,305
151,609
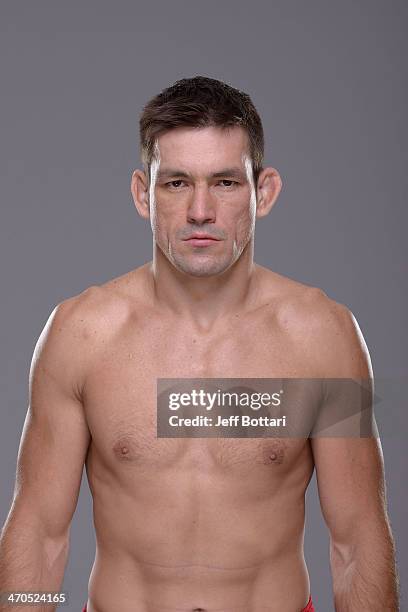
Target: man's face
201,184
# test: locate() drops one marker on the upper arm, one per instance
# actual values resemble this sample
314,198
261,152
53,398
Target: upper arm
350,478
349,470
55,435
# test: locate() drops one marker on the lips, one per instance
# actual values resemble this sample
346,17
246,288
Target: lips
201,240
201,237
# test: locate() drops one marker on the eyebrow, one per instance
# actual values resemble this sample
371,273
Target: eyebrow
234,172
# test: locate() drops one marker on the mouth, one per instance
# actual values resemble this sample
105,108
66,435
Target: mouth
201,240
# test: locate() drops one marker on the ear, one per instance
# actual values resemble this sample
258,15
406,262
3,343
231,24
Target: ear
268,189
140,192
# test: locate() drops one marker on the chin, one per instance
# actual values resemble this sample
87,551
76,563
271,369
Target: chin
201,269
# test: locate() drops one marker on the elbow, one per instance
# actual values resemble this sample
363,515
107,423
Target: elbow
342,554
56,551
372,539
23,528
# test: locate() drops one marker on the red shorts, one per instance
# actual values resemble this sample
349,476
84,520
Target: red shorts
309,607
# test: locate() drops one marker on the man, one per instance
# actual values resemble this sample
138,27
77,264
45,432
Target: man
195,524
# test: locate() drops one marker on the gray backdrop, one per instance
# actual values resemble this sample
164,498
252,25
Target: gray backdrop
330,82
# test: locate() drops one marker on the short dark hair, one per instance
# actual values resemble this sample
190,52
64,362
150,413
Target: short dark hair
200,102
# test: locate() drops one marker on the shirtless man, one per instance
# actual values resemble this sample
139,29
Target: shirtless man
189,524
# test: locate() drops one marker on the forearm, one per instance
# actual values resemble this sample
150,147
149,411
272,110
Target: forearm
364,570
31,562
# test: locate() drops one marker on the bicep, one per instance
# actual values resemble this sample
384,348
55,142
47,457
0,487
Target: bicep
349,468
350,480
55,435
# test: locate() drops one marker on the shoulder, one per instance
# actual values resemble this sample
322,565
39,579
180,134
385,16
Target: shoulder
73,317
77,324
100,308
60,346
335,341
327,330
77,332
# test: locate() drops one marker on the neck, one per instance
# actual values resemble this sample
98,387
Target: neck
203,300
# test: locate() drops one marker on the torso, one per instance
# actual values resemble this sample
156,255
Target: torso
193,523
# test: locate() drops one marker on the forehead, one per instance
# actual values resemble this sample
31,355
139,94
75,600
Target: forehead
203,149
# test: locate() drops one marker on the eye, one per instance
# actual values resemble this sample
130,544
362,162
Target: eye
174,184
228,183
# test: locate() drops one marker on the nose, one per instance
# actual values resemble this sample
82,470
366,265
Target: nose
202,207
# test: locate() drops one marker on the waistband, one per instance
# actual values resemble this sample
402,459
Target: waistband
309,607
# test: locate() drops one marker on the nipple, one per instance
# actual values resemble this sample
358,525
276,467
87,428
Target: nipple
123,450
274,453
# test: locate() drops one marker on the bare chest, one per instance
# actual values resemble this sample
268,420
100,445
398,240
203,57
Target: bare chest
121,394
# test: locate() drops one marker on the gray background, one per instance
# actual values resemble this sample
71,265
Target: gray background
330,82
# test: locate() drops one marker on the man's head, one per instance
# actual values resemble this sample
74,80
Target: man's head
202,149
201,102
